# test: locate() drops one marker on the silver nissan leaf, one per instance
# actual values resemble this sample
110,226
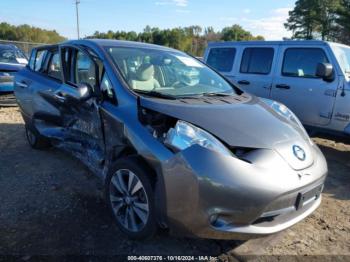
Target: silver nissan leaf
177,146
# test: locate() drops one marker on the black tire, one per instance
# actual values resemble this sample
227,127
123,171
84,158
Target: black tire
35,140
143,174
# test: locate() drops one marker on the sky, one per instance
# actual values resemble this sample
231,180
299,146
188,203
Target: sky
264,17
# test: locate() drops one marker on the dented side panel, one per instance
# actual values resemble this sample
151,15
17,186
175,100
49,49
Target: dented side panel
123,131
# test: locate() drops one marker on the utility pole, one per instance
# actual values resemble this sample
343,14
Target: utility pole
77,2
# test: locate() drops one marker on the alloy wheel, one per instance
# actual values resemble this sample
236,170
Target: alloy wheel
129,200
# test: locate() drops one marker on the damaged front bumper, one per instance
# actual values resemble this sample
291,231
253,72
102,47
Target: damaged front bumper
209,195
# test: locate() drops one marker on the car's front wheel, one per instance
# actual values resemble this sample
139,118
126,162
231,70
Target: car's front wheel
130,198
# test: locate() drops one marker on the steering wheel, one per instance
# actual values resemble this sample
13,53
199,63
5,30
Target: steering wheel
177,87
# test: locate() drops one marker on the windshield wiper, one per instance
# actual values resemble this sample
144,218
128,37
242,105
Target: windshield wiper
215,94
156,94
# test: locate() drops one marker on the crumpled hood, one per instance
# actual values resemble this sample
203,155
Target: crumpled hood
251,123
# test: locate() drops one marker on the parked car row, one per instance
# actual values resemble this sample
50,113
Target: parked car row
312,78
177,145
12,59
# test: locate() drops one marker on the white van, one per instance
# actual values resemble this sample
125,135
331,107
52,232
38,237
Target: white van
312,78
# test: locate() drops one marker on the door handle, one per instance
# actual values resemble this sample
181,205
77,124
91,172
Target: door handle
59,97
21,84
282,86
244,82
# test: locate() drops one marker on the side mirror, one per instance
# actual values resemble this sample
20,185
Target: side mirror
74,95
85,92
325,71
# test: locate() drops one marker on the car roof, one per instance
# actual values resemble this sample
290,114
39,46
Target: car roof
268,43
8,46
118,43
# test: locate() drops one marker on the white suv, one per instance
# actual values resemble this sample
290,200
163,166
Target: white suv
311,77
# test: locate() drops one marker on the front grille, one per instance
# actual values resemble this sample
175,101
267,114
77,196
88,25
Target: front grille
290,205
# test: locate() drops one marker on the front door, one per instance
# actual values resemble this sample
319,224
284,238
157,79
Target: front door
297,86
82,120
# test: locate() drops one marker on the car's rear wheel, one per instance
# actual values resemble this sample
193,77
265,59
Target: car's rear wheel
35,140
130,198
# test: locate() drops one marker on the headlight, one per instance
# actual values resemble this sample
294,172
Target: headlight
285,112
184,135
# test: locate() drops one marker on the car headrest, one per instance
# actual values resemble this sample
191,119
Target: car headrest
145,72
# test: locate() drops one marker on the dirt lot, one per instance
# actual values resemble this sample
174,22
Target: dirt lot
52,205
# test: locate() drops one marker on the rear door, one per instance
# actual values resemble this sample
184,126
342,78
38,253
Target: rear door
28,81
255,71
297,86
47,80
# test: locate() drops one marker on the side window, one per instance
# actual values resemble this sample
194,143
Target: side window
302,62
221,58
107,89
39,60
85,70
31,62
257,61
54,67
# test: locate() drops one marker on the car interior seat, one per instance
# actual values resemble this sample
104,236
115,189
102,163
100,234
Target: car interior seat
144,78
87,75
54,71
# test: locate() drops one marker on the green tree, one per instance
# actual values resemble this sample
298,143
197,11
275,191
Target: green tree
192,39
313,19
343,23
327,18
302,19
237,33
29,34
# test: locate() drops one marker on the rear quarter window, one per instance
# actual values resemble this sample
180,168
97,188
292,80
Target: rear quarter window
54,66
221,59
39,60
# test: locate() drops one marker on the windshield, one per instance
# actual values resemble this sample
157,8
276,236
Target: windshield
342,54
12,55
167,72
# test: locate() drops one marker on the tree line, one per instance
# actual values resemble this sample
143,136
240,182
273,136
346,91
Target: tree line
28,33
192,39
320,19
310,19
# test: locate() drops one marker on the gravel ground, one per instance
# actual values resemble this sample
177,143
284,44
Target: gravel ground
52,205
